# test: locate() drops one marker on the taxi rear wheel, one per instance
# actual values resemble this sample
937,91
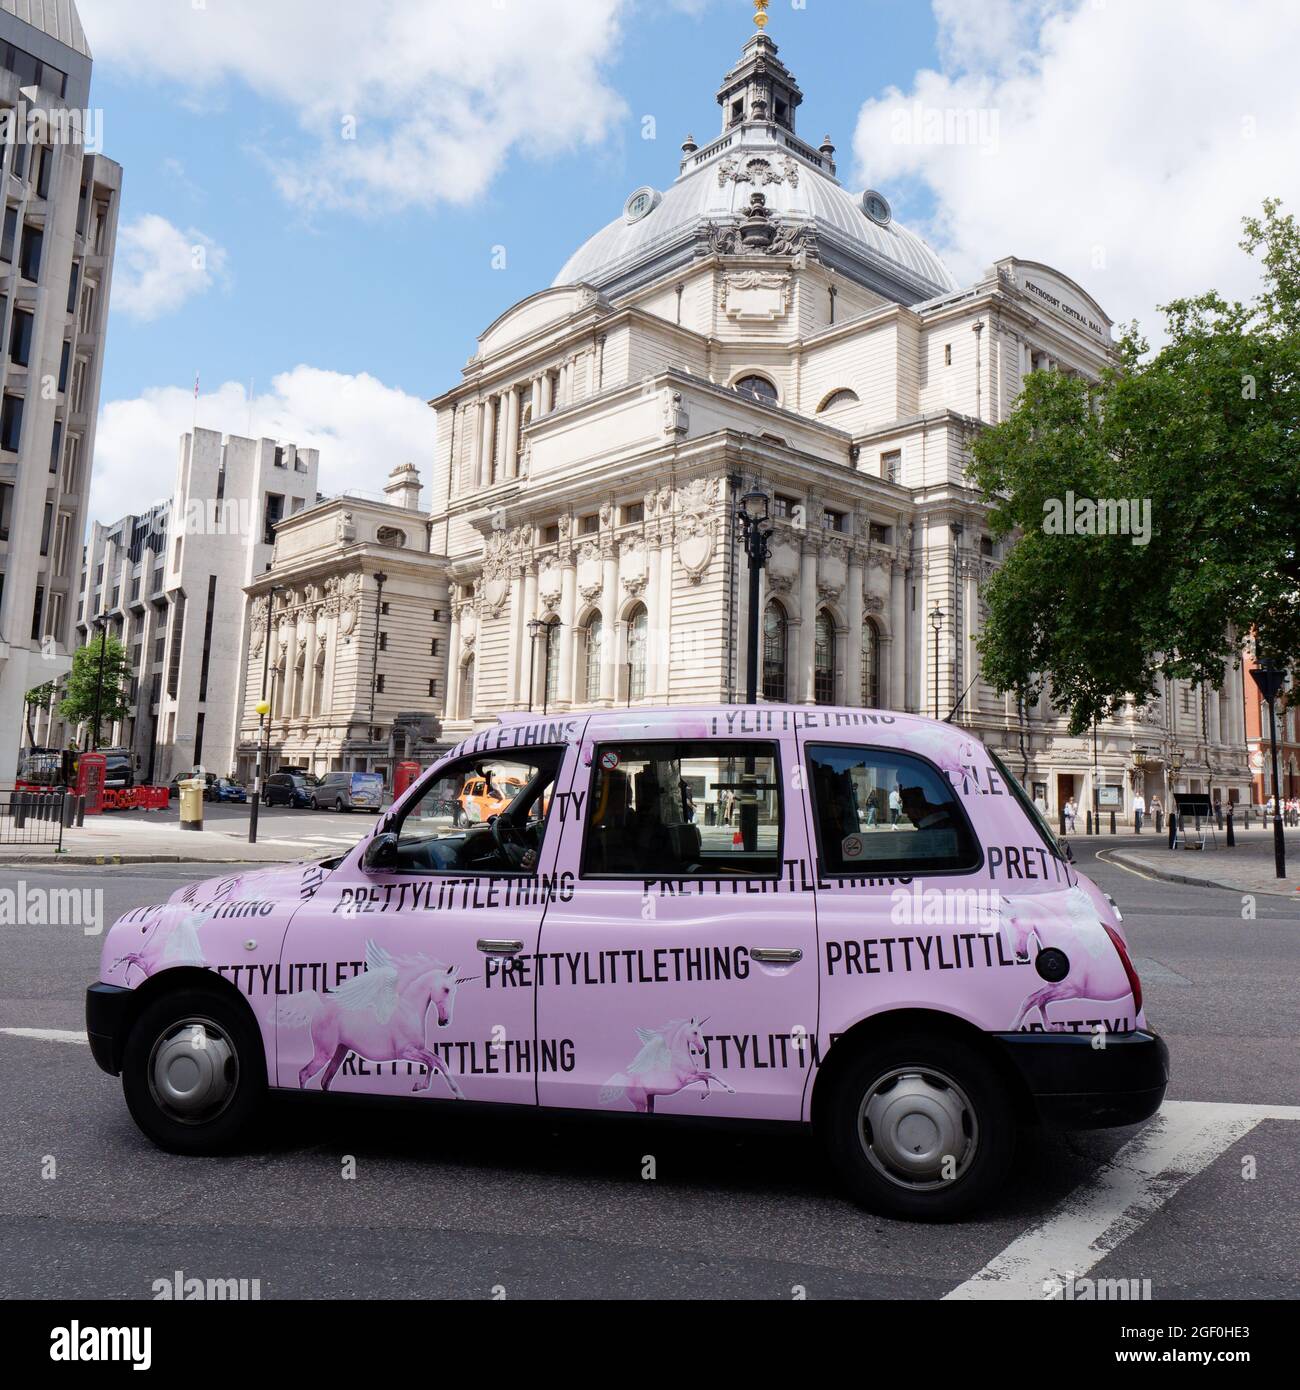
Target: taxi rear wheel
193,1071
921,1127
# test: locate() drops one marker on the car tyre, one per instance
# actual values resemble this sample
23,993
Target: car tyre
920,1127
194,1071
338,803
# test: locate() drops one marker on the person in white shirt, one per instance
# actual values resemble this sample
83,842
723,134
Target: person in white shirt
1139,810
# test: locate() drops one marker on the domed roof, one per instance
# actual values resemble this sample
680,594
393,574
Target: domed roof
714,192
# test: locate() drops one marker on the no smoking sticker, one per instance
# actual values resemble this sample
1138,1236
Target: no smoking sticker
609,761
851,847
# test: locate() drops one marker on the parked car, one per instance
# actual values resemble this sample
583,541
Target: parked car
348,791
288,789
914,991
174,786
224,789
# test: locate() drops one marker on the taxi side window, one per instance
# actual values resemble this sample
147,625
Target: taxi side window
883,813
679,809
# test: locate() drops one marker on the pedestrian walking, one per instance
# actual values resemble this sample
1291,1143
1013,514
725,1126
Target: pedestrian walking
895,806
1139,810
1071,812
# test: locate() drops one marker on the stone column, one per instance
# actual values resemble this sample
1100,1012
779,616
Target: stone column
609,627
512,434
518,638
655,654
899,646
531,657
487,428
854,610
665,603
536,398
568,615
452,702
807,625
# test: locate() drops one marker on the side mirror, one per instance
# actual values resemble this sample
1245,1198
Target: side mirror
1064,846
380,854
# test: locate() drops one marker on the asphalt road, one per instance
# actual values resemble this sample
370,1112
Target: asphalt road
450,1204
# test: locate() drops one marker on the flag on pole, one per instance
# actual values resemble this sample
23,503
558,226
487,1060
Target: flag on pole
196,386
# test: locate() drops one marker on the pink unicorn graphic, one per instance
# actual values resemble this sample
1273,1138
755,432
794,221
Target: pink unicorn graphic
1094,966
167,945
381,1015
671,1058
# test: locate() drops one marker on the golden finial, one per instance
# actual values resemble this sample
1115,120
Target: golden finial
760,14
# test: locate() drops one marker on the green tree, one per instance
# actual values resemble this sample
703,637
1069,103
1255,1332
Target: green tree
78,703
1207,432
38,697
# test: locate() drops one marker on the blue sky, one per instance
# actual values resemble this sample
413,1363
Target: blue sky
403,296
348,278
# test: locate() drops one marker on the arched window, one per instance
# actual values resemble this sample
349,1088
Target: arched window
775,645
299,681
638,640
595,633
552,663
824,659
758,388
391,535
837,399
466,702
870,664
318,680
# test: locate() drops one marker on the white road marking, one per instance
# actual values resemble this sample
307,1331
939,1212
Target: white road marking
47,1034
1184,1138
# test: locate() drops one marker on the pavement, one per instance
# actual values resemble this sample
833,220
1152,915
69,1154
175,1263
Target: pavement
342,1202
1247,867
155,837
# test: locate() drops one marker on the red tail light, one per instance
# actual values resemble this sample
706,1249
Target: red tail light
1134,983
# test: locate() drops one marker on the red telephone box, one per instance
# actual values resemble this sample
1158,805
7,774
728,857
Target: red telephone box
90,781
403,775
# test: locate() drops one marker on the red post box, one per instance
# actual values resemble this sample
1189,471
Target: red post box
404,774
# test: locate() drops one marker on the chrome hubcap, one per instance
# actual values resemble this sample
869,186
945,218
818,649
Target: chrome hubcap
918,1128
193,1071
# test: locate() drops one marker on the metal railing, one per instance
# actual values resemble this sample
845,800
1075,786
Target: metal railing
33,817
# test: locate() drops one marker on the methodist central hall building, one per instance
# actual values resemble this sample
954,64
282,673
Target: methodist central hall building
751,322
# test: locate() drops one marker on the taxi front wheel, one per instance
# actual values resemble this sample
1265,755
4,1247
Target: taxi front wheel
193,1071
921,1127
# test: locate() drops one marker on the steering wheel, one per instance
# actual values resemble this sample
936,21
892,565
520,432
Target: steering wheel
512,843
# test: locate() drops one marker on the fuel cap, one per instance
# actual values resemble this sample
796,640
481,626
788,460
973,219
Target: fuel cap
1052,964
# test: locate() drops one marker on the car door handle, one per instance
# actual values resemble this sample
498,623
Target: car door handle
776,955
499,948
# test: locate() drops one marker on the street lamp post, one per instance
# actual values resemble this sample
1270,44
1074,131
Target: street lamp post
1270,680
753,513
535,629
263,718
102,624
936,622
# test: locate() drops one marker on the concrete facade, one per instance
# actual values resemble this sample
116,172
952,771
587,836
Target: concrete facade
56,264
170,585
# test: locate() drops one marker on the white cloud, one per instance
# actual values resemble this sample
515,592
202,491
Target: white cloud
440,91
1128,140
158,267
362,428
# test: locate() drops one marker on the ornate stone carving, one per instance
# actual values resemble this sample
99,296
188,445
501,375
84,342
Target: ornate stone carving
750,296
677,419
696,526
759,171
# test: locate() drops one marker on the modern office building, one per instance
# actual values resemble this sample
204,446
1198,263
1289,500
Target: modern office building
170,585
57,239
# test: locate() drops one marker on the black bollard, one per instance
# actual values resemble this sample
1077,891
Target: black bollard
1090,822
1112,822
1173,828
1160,821
1232,836
1061,814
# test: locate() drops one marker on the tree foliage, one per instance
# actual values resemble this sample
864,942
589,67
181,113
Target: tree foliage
1207,431
78,703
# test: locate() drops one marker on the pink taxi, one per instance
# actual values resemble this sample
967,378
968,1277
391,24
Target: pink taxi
838,917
